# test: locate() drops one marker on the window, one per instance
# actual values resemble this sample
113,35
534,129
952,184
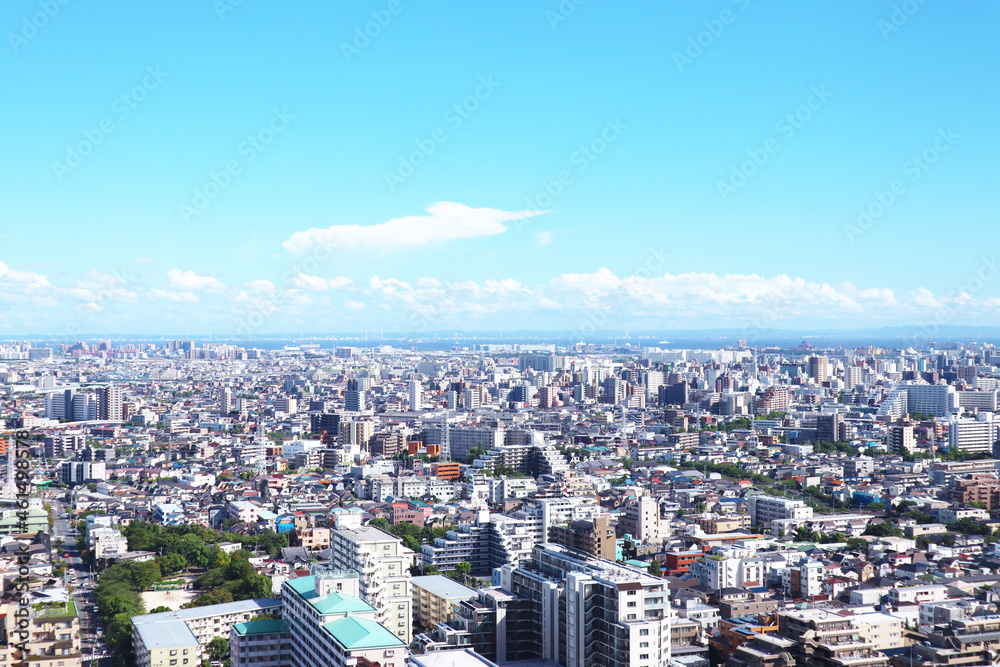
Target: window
644,656
643,632
643,644
631,593
174,652
630,617
631,604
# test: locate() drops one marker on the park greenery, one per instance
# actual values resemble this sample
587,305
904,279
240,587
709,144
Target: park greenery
224,577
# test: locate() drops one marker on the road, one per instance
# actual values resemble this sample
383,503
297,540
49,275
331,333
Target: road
79,578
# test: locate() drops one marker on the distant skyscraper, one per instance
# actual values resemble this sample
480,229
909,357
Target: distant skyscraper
819,369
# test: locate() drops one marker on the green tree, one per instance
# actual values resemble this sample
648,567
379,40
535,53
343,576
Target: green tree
655,568
857,544
160,609
218,649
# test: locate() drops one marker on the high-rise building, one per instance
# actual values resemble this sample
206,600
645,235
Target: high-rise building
595,536
416,391
642,521
578,610
226,401
109,403
853,376
830,428
354,400
384,566
819,369
324,622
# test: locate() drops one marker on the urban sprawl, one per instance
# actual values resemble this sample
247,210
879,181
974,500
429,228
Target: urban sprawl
199,503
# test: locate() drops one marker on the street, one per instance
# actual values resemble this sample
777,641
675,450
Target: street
95,652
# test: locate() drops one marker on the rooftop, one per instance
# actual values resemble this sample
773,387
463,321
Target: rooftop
360,633
443,586
266,627
184,615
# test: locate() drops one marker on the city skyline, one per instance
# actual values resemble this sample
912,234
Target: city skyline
557,167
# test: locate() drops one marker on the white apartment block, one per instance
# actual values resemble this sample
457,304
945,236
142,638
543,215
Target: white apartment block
384,567
765,509
180,637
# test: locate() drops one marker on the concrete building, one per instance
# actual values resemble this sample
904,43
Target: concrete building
328,624
384,565
765,509
436,599
596,536
161,638
642,521
625,620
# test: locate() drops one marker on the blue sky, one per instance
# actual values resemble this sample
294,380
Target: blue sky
480,165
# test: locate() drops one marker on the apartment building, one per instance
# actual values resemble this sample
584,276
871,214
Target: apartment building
385,582
765,509
642,521
596,537
328,624
824,638
263,643
625,620
183,635
436,599
53,639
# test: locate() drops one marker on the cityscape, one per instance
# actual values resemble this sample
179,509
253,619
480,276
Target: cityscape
548,333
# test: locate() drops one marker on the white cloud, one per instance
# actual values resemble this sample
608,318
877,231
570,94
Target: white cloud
140,261
190,281
445,221
354,305
261,285
543,238
179,297
316,283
